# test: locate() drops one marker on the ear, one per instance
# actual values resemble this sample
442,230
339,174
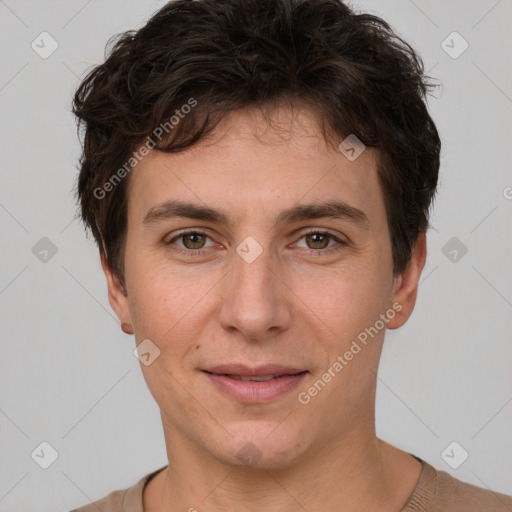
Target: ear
406,284
117,296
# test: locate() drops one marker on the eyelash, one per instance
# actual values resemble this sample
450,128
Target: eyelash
199,252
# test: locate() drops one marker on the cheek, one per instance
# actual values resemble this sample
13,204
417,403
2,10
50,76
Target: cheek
169,304
165,307
346,299
158,292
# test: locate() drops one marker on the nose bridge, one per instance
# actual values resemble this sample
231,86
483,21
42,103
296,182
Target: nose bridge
252,275
253,300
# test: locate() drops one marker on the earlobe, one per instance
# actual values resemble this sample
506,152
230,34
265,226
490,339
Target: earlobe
406,284
127,328
117,297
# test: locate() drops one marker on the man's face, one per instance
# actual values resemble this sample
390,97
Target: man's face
258,290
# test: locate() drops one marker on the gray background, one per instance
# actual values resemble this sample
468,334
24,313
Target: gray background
67,372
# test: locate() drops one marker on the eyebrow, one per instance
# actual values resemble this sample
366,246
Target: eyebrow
332,209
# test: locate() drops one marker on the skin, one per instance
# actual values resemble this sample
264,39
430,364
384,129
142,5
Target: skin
292,305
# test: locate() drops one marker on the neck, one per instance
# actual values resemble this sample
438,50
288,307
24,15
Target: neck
360,471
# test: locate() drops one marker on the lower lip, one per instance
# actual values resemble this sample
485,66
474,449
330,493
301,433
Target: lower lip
253,391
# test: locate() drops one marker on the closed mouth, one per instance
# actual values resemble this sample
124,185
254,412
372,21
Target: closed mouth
256,378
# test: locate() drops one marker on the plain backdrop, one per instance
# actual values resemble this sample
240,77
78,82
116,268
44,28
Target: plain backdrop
68,376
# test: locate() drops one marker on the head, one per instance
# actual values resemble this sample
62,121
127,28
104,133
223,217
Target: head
224,119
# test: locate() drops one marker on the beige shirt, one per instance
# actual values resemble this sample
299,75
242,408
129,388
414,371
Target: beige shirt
436,491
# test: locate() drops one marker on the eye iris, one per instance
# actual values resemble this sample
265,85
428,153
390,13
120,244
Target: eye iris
193,238
317,236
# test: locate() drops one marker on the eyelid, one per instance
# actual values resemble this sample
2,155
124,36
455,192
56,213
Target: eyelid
322,231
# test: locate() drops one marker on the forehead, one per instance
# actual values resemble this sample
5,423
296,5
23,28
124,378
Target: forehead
256,163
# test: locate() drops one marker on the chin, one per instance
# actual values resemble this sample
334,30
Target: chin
260,450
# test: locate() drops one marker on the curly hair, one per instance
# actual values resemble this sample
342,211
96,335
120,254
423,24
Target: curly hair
360,76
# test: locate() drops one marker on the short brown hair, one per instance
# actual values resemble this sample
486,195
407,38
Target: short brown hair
360,76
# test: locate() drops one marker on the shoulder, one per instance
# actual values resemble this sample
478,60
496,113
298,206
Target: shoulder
438,491
123,500
111,503
455,495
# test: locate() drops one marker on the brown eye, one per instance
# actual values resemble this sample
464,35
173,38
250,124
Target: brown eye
193,240
318,240
190,243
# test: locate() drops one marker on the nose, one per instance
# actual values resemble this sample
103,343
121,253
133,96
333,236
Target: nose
256,303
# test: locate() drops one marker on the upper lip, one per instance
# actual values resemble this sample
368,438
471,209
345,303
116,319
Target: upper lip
255,371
